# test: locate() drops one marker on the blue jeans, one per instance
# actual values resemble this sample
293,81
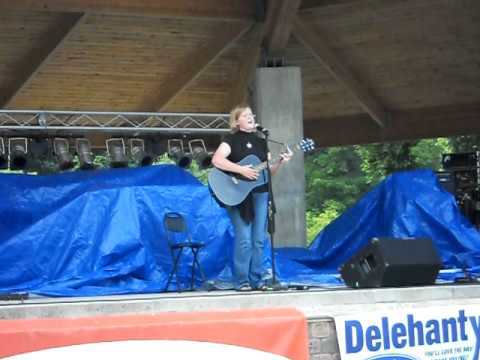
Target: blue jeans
249,242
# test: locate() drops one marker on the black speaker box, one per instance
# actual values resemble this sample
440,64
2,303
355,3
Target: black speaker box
387,262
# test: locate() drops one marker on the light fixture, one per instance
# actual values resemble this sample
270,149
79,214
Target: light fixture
200,154
42,119
61,149
84,153
116,152
139,155
18,150
177,154
3,155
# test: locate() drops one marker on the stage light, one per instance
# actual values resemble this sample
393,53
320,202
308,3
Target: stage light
139,155
18,150
177,154
84,153
3,155
61,149
200,154
116,152
42,119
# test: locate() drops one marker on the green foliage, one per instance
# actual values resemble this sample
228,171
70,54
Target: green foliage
200,174
101,160
337,177
334,182
333,173
316,221
465,143
379,160
428,152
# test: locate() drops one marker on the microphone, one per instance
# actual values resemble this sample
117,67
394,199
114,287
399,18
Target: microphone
262,129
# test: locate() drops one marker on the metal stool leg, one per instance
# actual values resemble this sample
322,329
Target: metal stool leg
174,269
192,281
197,264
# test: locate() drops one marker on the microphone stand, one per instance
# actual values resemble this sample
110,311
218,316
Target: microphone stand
271,211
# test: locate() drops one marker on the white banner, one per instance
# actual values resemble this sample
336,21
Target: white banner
437,333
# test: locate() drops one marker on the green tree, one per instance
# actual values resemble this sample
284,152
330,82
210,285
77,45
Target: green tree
427,153
316,220
338,177
465,143
334,181
333,173
379,160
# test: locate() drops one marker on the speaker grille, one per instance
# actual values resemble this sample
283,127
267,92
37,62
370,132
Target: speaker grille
387,262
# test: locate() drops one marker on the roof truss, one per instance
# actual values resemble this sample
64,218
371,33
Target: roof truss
404,125
279,23
226,9
26,69
319,48
193,66
250,59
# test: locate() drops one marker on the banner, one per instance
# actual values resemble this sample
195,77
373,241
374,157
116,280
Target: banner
436,333
253,334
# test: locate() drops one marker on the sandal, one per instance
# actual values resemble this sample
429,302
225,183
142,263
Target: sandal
244,287
262,287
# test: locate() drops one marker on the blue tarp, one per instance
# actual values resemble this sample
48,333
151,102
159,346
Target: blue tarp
410,204
97,233
101,232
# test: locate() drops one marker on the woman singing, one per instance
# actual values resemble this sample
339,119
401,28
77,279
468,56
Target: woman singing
249,218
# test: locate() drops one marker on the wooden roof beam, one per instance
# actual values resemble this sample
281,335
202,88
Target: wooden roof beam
193,66
248,63
319,48
274,34
308,4
209,9
279,23
27,68
405,125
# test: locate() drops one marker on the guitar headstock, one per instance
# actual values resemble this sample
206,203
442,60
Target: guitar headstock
306,145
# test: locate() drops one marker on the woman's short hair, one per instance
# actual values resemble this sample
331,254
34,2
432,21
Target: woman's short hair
235,114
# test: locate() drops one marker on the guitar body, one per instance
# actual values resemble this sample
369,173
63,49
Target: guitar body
231,189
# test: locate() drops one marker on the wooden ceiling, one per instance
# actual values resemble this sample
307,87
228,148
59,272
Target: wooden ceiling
373,70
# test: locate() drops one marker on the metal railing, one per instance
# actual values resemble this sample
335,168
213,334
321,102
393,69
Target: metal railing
45,121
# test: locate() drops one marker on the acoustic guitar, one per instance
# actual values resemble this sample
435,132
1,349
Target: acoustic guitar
231,189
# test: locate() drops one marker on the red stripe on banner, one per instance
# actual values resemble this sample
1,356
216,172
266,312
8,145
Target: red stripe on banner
279,331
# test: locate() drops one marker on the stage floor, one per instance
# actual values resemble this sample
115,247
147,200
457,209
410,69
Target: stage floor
314,302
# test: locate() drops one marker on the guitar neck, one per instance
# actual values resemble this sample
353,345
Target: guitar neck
263,165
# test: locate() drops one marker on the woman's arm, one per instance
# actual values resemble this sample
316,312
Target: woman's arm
221,162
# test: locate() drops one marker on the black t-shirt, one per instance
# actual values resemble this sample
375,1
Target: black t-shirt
243,144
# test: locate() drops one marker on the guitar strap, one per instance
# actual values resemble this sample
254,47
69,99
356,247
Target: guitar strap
247,211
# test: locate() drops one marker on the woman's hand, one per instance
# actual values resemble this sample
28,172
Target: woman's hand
247,171
286,156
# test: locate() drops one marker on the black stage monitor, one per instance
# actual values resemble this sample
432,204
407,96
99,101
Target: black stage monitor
387,262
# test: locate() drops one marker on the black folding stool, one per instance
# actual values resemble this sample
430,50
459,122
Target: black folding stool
176,226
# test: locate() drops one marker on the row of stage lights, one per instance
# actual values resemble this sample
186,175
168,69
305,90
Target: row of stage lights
15,153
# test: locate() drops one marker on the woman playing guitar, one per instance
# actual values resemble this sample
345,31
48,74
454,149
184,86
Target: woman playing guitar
249,218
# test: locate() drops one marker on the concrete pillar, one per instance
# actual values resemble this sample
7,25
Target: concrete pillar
278,106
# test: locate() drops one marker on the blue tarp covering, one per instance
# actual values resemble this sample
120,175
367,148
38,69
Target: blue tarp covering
97,233
409,204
